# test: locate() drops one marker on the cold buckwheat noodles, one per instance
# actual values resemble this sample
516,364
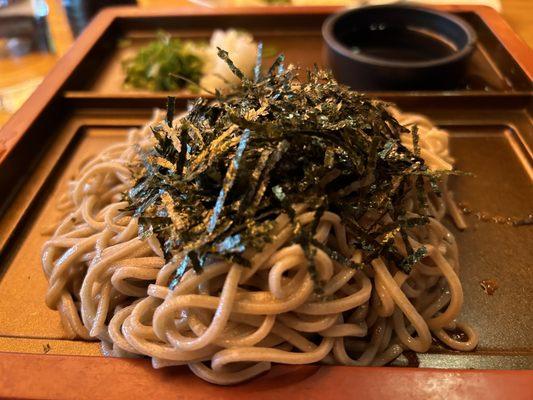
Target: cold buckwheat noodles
229,321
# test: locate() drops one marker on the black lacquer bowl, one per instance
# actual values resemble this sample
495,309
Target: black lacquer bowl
396,47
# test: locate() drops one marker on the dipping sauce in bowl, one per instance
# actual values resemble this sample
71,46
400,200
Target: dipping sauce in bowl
398,48
399,43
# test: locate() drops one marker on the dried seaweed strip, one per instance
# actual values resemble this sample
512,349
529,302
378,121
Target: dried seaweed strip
214,183
229,179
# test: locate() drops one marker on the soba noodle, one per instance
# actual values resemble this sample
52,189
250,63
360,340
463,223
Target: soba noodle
230,323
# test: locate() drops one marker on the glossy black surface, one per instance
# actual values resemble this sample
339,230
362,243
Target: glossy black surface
398,44
398,48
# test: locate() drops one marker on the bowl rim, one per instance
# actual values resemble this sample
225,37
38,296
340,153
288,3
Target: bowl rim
334,43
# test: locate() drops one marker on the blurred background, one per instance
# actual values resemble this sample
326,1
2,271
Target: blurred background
34,34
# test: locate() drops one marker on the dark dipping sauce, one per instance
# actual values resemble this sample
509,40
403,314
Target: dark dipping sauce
398,47
398,43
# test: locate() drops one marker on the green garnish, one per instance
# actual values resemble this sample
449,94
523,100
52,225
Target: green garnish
233,164
164,64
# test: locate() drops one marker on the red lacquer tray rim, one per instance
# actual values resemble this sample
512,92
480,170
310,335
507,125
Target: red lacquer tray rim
31,376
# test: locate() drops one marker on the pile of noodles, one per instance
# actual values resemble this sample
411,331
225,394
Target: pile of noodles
229,323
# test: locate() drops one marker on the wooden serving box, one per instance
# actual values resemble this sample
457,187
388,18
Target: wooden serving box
81,107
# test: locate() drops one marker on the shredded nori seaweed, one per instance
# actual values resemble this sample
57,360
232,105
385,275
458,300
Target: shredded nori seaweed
218,177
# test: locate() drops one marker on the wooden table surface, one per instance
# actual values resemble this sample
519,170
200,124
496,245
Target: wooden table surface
519,14
15,71
18,70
